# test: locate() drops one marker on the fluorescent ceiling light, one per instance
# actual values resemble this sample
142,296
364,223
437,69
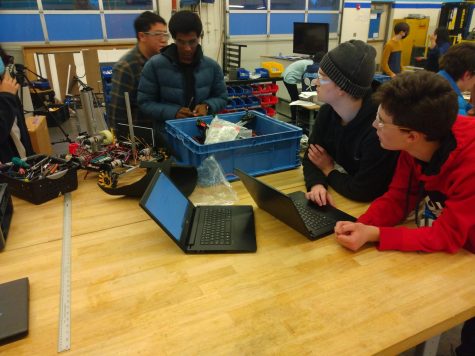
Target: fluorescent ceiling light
237,6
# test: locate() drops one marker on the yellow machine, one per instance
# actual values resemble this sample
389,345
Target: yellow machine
417,37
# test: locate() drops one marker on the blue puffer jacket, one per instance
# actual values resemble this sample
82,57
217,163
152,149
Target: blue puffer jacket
161,91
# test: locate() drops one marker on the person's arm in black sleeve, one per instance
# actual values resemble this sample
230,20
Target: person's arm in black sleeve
312,174
432,61
374,175
8,112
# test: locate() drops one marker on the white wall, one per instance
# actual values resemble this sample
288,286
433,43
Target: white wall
213,24
355,24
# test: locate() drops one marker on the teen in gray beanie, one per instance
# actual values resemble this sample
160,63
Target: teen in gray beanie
351,66
344,151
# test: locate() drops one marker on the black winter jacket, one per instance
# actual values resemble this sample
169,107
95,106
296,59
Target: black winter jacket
10,108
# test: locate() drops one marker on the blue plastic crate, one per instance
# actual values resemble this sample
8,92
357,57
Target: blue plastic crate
275,148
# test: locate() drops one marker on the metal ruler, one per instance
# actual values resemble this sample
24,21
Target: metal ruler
64,329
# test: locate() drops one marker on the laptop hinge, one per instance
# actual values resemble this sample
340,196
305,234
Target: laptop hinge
191,227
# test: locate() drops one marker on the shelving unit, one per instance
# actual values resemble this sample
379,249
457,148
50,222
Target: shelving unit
253,94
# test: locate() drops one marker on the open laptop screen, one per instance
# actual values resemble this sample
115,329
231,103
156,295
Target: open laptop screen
168,206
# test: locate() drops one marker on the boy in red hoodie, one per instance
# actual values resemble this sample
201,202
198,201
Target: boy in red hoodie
435,175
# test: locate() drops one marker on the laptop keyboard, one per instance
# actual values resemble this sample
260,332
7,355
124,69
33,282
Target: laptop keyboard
313,220
216,227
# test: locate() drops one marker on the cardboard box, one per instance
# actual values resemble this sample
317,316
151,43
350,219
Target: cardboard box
39,134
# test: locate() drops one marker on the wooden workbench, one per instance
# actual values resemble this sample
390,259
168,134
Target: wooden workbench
135,292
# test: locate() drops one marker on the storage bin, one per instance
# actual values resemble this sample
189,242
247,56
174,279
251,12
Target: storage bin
238,103
251,101
254,101
246,89
275,69
267,100
238,91
270,111
257,89
263,72
230,91
274,148
265,89
229,105
44,189
56,114
242,74
41,97
272,88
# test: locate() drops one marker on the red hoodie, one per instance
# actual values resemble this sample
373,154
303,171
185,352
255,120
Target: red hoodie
451,186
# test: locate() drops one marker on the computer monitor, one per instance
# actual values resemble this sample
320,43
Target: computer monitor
310,37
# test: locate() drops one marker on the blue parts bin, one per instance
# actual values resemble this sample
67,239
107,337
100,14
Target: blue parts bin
242,74
263,72
274,148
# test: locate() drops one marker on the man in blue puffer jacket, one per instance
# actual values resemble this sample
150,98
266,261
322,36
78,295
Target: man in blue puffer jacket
180,81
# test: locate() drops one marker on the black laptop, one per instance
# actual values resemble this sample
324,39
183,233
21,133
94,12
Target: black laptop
294,209
200,229
14,297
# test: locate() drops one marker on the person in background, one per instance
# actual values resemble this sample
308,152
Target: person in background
293,75
152,36
391,58
435,176
14,138
438,46
344,150
458,67
181,82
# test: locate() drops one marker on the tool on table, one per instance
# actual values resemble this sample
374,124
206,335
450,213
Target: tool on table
64,328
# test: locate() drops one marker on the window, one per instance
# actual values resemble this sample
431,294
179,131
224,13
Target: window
323,4
278,20
287,5
70,4
18,5
127,4
247,4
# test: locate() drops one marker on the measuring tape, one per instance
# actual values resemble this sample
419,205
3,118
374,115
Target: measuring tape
64,330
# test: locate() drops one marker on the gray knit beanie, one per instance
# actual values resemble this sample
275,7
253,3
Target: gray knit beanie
351,66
